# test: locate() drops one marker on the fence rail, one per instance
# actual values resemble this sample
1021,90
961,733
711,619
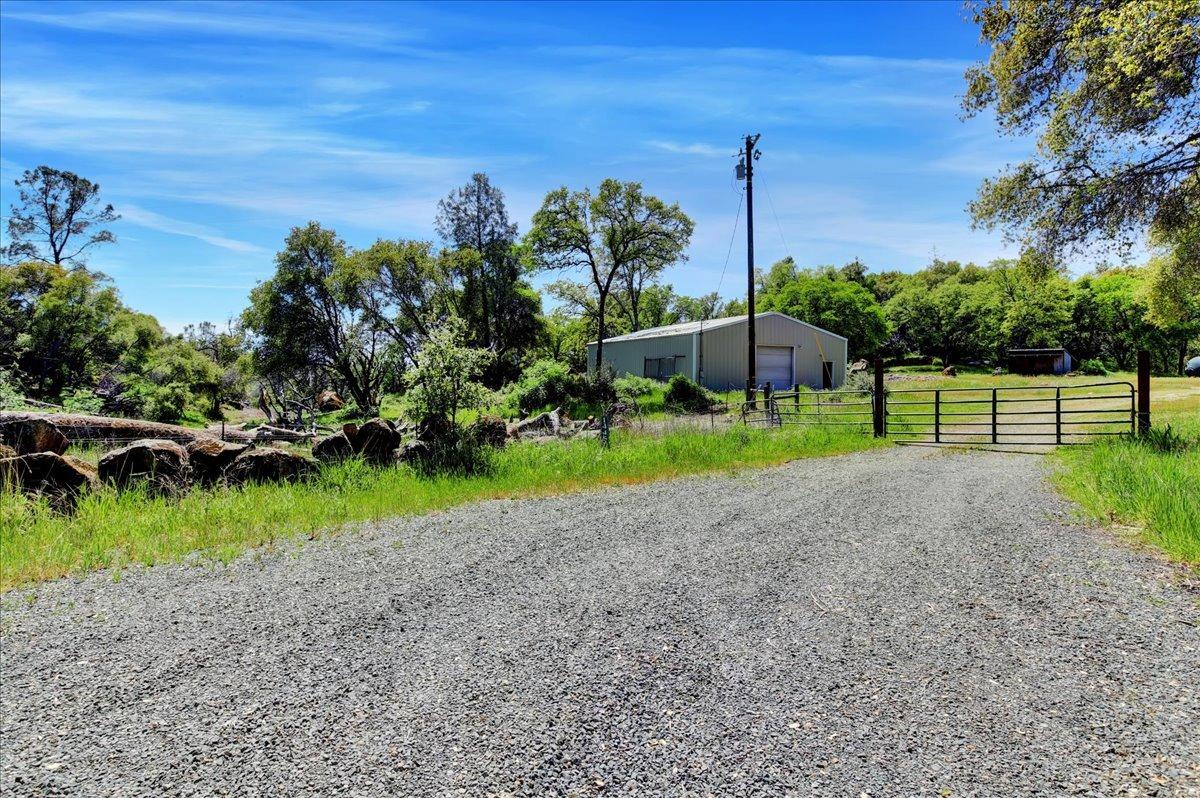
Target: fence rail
1049,414
1060,415
838,408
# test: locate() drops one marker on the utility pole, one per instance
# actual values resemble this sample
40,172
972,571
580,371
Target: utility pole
749,156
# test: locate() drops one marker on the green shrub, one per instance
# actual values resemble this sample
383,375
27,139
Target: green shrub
545,382
686,395
165,403
10,397
457,451
631,387
83,401
1093,367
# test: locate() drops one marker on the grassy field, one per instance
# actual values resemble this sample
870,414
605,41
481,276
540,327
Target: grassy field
111,529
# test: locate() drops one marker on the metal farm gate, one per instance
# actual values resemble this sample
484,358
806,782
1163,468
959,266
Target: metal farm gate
1029,415
1034,414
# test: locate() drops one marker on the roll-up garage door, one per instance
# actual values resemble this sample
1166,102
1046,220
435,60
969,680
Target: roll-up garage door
775,366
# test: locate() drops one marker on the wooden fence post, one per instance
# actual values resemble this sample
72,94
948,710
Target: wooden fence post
877,406
1143,392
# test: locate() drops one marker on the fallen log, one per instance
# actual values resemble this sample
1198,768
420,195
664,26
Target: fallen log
108,430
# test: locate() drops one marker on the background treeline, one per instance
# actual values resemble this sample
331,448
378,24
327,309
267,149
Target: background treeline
356,320
969,314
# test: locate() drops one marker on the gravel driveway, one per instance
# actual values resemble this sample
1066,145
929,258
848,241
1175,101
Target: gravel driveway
900,622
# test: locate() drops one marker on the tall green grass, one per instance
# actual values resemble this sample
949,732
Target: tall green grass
1135,483
110,529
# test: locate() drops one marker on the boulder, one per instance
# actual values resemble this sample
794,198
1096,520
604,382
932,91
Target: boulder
432,430
333,449
33,436
162,465
84,467
376,441
413,452
62,479
488,431
210,456
328,401
996,372
950,371
541,424
269,465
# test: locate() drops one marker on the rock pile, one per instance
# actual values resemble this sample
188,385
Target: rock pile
210,457
32,460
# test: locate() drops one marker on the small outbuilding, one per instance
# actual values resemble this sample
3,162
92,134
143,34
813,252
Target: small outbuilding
1054,360
714,352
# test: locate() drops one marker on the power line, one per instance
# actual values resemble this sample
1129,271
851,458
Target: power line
732,236
728,254
786,249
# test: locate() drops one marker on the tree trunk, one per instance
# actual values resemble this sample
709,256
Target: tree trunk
483,302
600,332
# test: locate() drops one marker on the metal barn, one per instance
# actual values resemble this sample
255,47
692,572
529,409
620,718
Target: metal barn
1054,360
713,353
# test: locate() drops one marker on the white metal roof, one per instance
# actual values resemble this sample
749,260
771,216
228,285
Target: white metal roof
690,327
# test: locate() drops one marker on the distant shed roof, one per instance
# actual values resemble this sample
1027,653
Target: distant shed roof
689,327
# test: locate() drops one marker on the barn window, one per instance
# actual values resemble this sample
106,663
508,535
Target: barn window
660,368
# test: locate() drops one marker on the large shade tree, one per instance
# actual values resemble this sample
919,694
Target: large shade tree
1112,91
310,317
58,218
501,310
606,234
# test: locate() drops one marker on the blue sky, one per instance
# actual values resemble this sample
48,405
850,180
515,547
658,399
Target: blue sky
214,128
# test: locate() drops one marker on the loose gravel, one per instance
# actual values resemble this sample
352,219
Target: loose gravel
899,622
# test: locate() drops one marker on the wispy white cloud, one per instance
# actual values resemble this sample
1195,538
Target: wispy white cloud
164,224
706,150
273,21
350,84
270,161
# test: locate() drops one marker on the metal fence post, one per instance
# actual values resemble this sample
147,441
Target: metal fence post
877,405
995,432
1143,392
937,416
796,398
1058,416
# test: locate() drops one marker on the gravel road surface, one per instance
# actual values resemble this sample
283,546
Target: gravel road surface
902,622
